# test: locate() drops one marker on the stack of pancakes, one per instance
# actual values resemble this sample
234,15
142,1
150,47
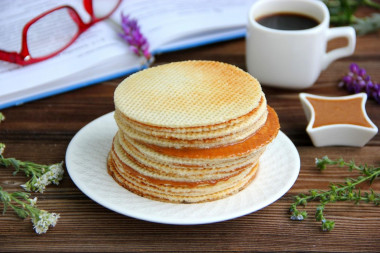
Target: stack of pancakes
190,131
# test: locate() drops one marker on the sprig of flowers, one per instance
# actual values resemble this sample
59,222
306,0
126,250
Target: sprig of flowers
41,175
357,80
337,192
133,36
20,202
342,13
25,207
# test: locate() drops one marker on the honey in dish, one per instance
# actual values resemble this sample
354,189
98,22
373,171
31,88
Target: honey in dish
338,111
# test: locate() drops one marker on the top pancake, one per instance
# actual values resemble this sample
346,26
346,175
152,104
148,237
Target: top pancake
188,94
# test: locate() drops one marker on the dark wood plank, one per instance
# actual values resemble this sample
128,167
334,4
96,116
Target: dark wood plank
40,131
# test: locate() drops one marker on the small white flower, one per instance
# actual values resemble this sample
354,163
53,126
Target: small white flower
26,187
56,173
2,148
49,175
39,226
297,217
33,202
53,219
44,221
45,179
40,229
53,174
40,184
57,169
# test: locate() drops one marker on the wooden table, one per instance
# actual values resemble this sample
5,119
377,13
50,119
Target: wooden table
41,131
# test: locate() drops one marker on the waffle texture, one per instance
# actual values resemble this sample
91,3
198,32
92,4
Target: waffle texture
188,94
189,132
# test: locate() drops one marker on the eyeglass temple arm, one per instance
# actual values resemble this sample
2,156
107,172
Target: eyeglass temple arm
88,7
12,57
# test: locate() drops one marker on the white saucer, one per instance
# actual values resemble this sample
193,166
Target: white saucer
86,163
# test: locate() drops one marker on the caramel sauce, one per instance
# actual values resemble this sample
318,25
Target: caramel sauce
260,138
156,181
154,170
119,179
338,111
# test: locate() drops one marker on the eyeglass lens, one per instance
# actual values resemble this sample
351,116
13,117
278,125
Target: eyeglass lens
51,33
102,8
57,29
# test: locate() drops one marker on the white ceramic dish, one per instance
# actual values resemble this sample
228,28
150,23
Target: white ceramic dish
337,134
86,164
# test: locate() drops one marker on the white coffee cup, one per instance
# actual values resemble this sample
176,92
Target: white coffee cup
292,59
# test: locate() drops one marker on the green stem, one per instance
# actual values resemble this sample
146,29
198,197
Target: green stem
21,208
338,190
372,4
29,168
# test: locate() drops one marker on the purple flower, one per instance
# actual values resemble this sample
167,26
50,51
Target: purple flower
354,68
357,81
376,92
133,36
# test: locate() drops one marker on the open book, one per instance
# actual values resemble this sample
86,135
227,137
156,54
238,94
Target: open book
100,54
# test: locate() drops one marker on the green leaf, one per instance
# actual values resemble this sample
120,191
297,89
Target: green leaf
342,13
22,213
328,225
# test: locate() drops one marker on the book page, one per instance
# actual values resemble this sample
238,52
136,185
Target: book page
99,52
180,22
97,45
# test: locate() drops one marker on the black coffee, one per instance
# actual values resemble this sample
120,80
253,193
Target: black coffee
287,21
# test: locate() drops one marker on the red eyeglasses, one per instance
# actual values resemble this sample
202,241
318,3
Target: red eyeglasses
44,28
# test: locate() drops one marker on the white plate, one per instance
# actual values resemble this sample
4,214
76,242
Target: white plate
86,164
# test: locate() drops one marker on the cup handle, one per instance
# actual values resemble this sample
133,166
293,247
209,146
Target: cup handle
332,33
